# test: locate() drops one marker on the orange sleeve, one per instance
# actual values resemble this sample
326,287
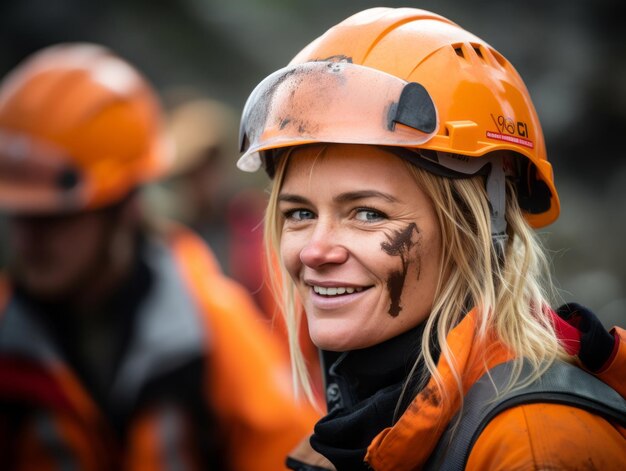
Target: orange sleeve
248,373
615,374
548,436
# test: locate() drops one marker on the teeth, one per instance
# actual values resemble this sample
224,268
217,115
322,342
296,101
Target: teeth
335,291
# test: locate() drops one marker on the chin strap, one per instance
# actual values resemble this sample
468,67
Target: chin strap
496,192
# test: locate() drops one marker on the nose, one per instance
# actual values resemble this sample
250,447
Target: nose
323,248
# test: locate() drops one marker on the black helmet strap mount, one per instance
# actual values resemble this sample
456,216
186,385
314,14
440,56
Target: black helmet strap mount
415,109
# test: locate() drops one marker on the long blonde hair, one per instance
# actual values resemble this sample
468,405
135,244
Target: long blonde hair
508,290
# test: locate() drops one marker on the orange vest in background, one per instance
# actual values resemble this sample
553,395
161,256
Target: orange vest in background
260,410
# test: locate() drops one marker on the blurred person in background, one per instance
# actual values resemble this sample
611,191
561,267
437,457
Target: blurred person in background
204,193
409,170
122,345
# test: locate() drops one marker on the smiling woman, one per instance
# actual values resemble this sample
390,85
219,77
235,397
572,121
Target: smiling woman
409,169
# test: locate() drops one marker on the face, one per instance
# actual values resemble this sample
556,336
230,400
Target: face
361,242
54,257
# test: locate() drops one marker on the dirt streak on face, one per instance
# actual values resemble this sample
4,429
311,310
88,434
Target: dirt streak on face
399,245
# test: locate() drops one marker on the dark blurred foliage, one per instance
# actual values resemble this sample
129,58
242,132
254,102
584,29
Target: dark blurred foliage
571,53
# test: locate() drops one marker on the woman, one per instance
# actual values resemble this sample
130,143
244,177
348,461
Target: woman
409,167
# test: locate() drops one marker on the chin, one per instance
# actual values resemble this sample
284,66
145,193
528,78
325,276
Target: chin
336,340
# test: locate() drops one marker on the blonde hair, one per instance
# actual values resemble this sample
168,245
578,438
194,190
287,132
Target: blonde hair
506,290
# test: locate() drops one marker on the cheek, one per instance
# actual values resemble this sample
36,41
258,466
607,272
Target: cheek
424,269
290,249
430,255
76,242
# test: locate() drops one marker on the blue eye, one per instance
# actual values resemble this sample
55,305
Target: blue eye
369,215
299,214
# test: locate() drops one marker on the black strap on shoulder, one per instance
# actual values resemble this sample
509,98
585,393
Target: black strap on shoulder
562,383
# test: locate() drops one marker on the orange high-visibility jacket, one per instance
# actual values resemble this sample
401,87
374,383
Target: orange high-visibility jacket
526,437
48,421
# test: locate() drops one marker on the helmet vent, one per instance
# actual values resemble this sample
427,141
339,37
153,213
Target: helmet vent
459,51
478,52
499,58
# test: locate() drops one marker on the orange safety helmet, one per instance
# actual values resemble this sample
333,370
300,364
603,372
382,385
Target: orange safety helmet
413,80
79,129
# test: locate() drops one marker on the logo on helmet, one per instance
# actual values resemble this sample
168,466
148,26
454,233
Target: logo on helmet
510,130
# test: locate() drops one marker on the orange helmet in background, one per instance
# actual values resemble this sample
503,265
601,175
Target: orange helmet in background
420,84
79,129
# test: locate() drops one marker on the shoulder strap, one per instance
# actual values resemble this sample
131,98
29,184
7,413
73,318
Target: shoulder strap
562,383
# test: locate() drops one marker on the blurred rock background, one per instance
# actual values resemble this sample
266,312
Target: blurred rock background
571,53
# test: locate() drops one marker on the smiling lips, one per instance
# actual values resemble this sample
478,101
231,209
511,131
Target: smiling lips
335,290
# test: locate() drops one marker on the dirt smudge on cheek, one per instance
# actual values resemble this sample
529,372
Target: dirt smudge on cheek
395,282
399,244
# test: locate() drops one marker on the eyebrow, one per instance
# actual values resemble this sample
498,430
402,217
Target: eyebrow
342,198
363,194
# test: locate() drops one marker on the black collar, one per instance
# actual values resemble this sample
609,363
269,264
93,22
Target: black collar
363,388
353,376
